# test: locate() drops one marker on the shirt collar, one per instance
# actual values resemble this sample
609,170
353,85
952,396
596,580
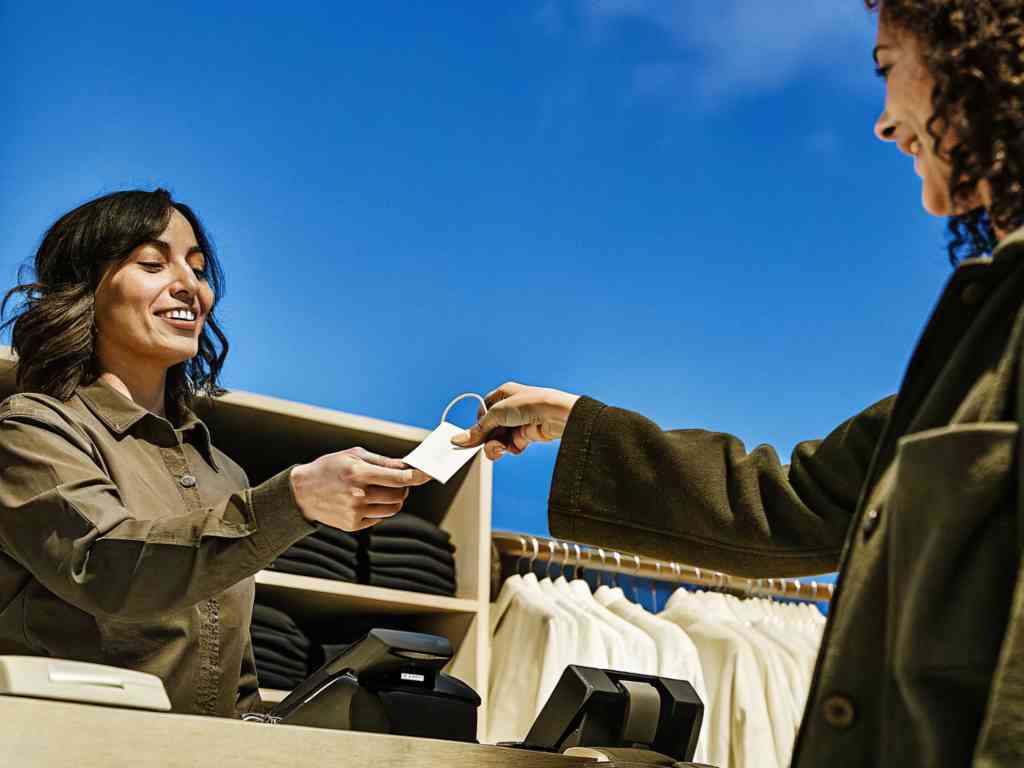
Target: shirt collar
120,414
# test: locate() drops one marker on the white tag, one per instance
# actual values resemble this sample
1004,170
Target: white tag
437,456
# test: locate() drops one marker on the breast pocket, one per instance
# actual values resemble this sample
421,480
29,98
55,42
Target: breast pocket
951,548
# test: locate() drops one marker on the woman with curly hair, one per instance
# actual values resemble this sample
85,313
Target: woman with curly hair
126,537
918,501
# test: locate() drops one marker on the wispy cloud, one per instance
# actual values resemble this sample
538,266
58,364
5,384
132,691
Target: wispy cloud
722,49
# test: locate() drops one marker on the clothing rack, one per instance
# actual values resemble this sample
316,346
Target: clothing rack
592,558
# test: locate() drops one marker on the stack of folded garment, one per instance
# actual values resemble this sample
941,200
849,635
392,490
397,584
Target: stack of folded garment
282,650
328,553
407,552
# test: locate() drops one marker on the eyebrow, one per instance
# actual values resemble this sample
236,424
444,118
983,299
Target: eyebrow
164,247
874,53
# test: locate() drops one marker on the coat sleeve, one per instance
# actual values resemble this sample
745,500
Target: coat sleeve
63,519
699,497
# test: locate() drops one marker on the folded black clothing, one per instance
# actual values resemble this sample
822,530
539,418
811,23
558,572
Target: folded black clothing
281,643
306,569
419,562
337,537
325,548
297,555
269,660
394,582
284,682
414,574
296,644
405,544
407,524
272,618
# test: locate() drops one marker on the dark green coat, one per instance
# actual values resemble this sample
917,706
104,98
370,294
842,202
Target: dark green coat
914,500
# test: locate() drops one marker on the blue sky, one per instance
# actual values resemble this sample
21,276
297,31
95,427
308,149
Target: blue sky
675,207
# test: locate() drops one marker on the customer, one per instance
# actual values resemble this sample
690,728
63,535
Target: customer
917,499
126,537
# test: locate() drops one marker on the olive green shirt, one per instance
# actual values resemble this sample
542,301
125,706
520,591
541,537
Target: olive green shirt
129,541
916,500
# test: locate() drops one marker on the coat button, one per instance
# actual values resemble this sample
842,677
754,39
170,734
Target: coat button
187,481
972,294
871,520
839,712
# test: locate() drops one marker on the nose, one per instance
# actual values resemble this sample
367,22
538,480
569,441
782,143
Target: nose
186,285
885,127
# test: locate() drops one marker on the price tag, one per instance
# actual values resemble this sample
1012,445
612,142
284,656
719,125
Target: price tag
436,455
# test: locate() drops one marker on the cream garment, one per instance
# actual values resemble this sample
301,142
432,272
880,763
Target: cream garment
778,697
677,658
615,645
591,650
639,652
531,639
740,735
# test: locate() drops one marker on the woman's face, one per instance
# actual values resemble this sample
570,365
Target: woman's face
150,308
908,107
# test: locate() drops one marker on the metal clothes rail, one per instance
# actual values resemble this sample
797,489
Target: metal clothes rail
591,558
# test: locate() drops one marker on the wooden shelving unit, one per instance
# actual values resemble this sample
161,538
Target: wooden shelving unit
266,435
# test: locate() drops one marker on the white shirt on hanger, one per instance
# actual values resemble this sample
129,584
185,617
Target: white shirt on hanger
591,650
531,639
677,658
741,734
778,695
637,651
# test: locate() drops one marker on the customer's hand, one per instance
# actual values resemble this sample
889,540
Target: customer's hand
353,489
518,415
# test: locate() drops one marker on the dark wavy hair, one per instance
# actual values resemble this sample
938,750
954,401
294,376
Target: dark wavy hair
53,330
974,49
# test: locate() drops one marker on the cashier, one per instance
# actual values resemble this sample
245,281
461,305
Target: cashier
126,537
917,500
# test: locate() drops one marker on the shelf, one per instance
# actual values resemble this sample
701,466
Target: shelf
313,596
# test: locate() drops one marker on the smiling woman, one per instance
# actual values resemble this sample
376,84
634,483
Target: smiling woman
102,274
126,537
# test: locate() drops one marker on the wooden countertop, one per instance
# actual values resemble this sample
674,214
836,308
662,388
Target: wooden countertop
40,733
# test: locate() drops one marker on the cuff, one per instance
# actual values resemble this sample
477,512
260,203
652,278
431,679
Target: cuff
279,521
571,465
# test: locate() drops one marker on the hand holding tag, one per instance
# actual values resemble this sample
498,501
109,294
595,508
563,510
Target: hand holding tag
436,455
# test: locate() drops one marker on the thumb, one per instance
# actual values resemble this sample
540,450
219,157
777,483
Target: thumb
471,438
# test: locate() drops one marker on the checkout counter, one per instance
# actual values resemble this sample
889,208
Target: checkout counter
383,700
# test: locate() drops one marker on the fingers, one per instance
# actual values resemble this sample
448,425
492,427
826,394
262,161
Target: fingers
377,459
366,474
507,389
377,494
381,512
512,411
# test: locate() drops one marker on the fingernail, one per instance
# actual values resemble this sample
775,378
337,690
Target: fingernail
358,492
461,438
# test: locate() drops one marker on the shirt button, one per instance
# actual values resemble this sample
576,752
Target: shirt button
871,522
972,294
187,481
839,712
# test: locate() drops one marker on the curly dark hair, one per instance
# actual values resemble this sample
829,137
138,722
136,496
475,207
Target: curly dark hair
52,332
974,49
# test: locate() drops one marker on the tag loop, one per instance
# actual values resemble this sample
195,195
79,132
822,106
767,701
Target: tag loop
463,396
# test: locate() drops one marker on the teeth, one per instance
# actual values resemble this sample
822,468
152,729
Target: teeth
180,314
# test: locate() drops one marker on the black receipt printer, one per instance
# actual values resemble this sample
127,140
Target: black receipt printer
633,718
387,682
